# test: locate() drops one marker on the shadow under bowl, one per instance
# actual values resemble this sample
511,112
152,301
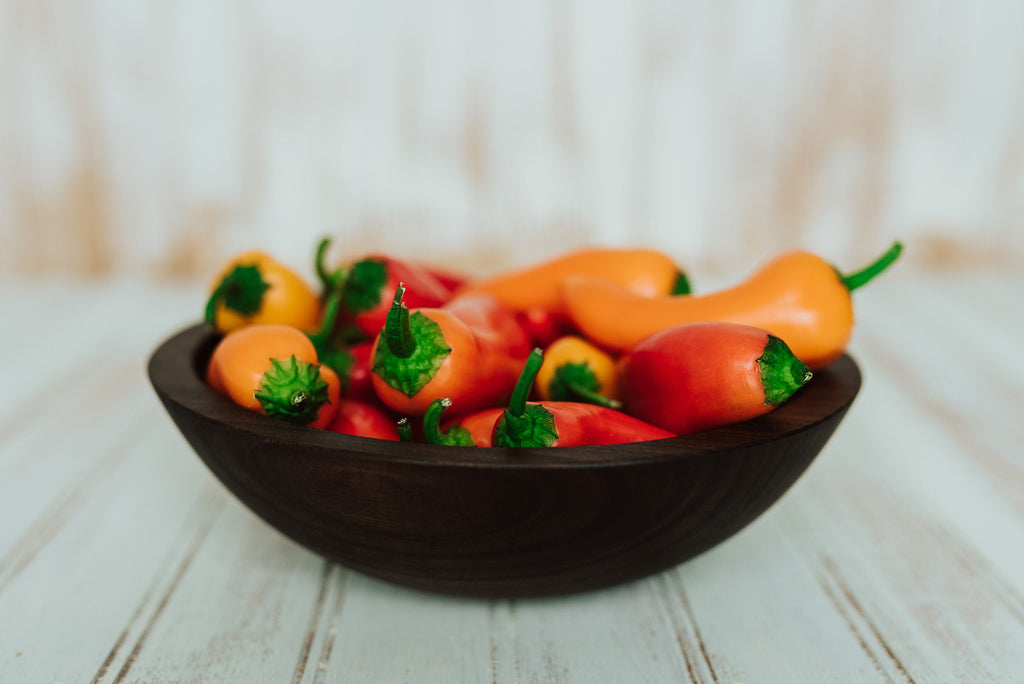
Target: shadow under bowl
496,522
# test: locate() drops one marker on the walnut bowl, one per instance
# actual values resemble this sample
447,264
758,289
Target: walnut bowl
499,522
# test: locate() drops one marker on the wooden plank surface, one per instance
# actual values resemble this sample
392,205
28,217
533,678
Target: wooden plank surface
896,558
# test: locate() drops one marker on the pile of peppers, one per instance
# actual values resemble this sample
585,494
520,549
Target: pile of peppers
597,346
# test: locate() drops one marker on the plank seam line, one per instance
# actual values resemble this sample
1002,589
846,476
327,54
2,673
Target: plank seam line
204,500
842,611
492,608
332,632
314,623
176,578
676,587
831,571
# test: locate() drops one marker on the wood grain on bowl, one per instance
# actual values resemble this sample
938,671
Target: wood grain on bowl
499,522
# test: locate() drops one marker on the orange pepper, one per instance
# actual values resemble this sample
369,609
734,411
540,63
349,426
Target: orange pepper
255,289
273,369
641,271
576,370
797,296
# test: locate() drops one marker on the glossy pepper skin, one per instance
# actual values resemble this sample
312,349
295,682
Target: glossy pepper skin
644,272
696,376
797,296
363,419
273,369
544,327
565,423
479,425
470,350
253,288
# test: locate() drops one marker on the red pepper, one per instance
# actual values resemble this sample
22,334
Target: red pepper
450,279
367,285
357,384
564,423
355,417
471,351
696,376
543,326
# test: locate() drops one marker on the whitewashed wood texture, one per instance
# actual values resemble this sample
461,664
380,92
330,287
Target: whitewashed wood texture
895,558
160,138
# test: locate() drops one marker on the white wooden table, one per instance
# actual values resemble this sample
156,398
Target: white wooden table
899,556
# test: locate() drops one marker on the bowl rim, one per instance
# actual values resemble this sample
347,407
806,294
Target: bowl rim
174,372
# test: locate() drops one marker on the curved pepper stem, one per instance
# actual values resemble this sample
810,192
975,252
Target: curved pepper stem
456,435
577,382
328,280
866,274
397,329
333,355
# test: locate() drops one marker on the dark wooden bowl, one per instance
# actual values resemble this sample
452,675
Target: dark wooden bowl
499,522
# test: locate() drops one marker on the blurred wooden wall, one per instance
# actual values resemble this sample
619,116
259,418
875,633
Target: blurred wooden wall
158,138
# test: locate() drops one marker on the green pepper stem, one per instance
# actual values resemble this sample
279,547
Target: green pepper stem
332,307
682,285
455,435
327,279
591,397
866,274
404,430
432,420
397,329
521,392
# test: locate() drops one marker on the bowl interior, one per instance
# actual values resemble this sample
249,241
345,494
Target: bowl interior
499,522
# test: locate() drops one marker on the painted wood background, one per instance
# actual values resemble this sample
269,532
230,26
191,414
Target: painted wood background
158,138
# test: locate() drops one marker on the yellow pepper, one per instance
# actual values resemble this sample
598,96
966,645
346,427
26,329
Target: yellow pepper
254,288
576,370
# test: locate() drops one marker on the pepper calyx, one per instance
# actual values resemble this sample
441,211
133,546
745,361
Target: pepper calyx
782,373
577,382
241,291
523,424
411,349
363,285
293,390
533,428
